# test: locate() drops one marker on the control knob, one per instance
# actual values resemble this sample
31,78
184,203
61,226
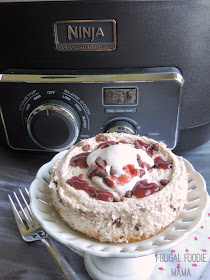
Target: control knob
54,125
121,126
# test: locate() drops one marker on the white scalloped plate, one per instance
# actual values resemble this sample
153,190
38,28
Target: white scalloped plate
188,220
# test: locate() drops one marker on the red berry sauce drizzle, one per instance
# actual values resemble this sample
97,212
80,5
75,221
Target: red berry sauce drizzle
162,164
79,184
143,188
130,172
79,160
144,146
140,190
133,171
106,144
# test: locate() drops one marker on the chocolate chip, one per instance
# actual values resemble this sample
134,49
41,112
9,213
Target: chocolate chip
142,173
100,162
86,147
107,145
137,145
91,170
108,182
101,173
174,209
139,160
128,194
117,222
100,138
156,146
117,199
164,182
150,150
112,171
92,194
137,226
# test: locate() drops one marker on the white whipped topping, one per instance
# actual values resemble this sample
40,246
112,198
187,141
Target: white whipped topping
117,156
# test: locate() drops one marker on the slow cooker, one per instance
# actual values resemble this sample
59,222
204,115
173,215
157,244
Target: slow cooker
72,69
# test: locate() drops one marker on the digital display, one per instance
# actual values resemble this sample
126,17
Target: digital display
120,96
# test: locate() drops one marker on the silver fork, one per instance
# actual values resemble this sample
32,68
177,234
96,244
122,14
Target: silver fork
31,230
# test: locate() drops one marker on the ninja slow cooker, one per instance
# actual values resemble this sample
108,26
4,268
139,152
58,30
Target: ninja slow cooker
72,69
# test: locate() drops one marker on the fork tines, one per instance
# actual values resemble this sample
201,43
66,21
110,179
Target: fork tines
25,211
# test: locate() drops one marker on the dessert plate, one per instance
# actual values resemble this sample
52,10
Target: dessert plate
188,220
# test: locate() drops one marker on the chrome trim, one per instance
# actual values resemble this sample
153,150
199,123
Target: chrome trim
20,149
86,46
7,137
121,128
141,77
176,136
17,1
60,109
114,78
4,126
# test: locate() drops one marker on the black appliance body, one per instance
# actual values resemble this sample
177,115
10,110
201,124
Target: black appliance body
72,69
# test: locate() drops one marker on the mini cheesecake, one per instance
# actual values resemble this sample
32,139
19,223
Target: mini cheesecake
118,187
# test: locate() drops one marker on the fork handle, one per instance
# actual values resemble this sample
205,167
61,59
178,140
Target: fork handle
64,267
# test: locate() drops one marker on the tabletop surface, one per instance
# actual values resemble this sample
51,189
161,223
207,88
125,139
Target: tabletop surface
31,261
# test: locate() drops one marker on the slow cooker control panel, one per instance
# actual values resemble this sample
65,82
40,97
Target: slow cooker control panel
53,112
121,126
53,116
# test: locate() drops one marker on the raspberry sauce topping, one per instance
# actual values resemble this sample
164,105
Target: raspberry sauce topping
106,144
129,168
108,167
79,184
80,160
143,188
130,172
93,171
161,163
144,146
148,167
